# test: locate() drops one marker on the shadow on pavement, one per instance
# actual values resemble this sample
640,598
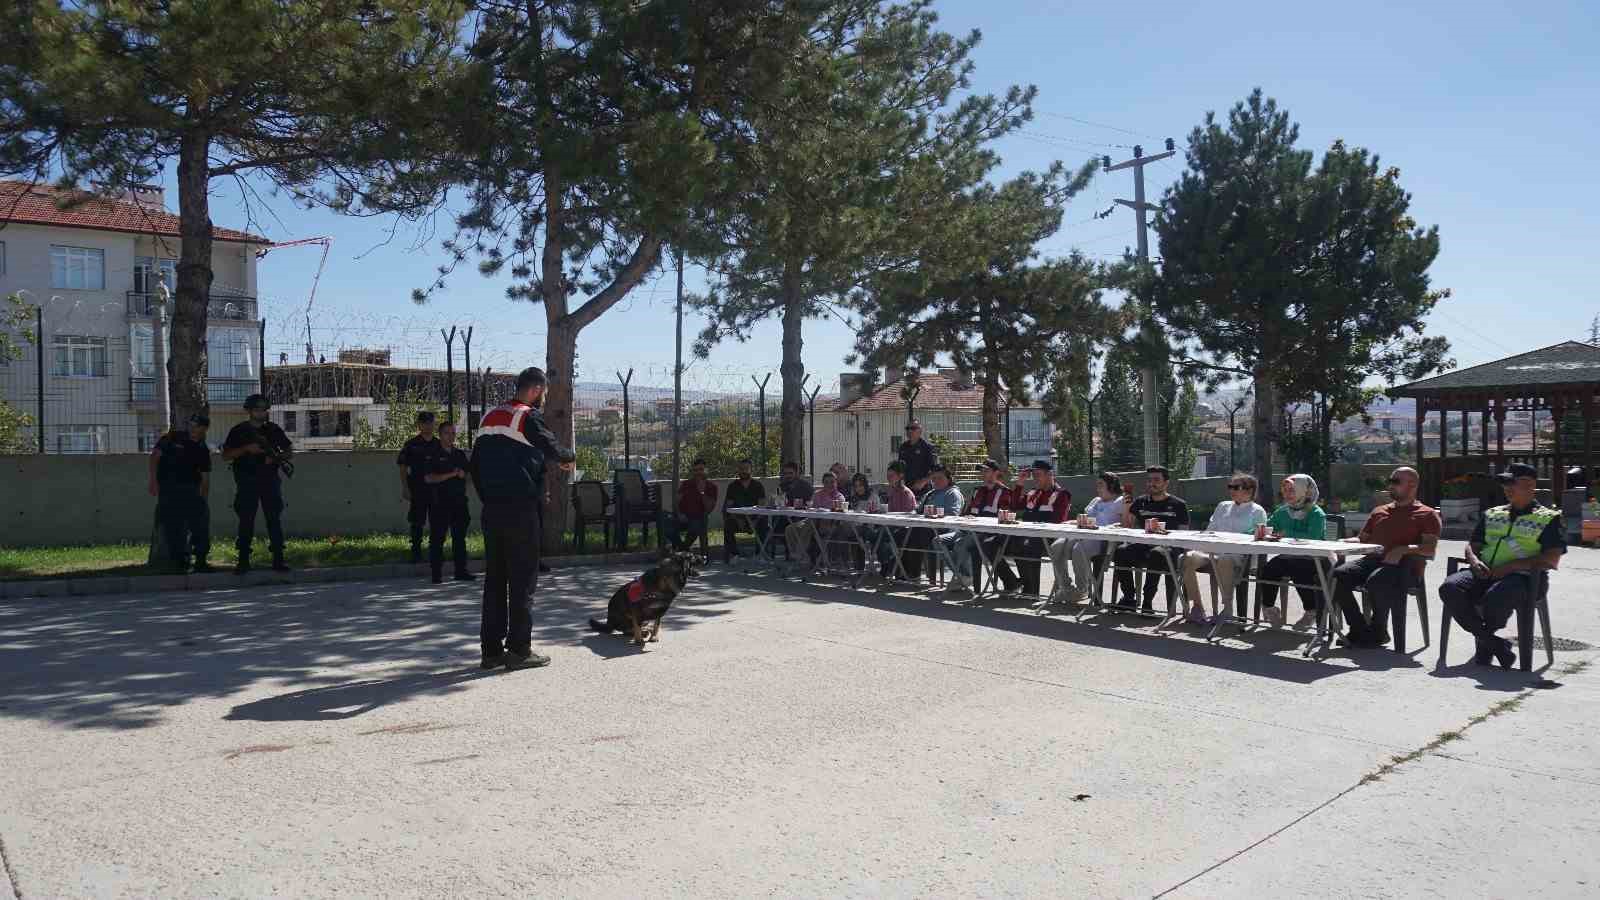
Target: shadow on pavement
1272,654
119,662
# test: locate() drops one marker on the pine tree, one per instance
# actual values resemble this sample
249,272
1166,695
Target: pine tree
850,176
315,100
1290,275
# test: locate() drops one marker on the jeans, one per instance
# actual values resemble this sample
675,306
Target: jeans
1082,554
264,491
681,530
962,547
1481,606
732,526
448,517
511,534
185,523
1301,570
1384,585
1146,557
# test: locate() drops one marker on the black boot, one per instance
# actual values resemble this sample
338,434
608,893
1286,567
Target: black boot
278,565
438,575
243,565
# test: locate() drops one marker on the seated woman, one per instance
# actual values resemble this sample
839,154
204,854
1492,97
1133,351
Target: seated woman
1238,515
860,497
1298,517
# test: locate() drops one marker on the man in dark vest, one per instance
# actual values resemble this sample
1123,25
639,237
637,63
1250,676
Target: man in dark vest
416,460
180,476
259,451
508,468
919,457
448,512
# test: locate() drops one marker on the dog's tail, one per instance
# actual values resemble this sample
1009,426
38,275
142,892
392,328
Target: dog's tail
600,626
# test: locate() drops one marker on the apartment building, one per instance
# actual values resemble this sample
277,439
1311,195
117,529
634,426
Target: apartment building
92,271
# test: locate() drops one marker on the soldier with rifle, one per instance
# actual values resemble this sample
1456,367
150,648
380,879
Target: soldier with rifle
259,452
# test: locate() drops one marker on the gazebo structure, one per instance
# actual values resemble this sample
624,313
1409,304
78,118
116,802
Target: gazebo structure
1560,383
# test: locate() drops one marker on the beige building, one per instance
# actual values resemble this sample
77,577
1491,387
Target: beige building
93,271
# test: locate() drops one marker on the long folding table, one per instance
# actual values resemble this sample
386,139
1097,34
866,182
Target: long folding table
888,525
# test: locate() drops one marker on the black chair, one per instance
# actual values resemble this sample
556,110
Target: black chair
589,505
1540,603
635,503
1397,614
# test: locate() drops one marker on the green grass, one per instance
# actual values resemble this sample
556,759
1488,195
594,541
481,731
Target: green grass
18,563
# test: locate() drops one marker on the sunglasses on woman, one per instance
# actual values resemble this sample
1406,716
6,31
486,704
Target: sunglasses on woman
1238,487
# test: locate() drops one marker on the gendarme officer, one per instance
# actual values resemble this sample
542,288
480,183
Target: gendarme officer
180,477
417,460
919,457
259,452
508,467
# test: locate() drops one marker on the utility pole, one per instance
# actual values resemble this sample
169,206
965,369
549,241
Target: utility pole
677,391
1147,378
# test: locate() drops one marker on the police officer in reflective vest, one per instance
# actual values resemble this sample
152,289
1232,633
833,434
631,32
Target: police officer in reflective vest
259,451
508,468
1511,544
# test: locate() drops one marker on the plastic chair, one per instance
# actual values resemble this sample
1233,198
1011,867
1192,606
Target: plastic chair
635,503
1397,615
1540,602
589,503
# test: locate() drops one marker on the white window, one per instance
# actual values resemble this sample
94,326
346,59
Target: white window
77,268
81,439
231,352
148,439
149,271
79,355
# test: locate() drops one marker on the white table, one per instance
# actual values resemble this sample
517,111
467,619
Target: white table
1205,541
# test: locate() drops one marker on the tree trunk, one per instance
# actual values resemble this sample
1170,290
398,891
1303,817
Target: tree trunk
793,370
186,366
1264,421
993,429
560,359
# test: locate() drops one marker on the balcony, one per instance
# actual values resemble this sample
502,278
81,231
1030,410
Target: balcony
240,309
142,391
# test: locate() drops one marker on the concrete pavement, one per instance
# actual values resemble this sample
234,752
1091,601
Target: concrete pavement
781,740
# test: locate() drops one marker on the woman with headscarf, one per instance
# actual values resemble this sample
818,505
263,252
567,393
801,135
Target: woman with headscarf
1298,516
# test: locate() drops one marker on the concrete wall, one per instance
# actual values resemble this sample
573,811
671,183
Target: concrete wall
68,500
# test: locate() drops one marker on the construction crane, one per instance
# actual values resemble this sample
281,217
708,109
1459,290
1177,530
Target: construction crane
327,244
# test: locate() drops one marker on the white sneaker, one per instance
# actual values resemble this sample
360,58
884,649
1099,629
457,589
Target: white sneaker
1306,621
1274,616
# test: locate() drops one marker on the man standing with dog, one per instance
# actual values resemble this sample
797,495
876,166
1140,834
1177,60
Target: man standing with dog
508,469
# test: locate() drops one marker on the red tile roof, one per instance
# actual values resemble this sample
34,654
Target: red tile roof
936,390
40,204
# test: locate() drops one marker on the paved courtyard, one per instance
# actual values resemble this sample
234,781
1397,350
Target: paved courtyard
783,739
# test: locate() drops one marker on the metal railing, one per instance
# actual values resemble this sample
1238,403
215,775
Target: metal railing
242,309
142,391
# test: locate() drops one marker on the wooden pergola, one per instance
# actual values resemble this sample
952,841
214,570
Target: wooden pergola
1562,380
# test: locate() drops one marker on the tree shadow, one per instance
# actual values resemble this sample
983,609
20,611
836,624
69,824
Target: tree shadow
120,662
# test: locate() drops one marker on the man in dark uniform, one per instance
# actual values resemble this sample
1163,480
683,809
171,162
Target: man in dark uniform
448,481
508,468
258,450
180,477
919,458
416,460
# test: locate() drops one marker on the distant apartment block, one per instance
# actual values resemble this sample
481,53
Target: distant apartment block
95,268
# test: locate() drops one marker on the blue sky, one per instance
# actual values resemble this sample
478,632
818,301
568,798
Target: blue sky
1487,110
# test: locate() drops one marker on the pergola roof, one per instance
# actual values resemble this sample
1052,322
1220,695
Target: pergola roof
1568,364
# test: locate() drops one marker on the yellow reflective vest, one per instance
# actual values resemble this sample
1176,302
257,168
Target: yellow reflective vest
1506,539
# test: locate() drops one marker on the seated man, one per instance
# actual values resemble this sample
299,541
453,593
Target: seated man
897,499
697,497
742,491
942,494
987,501
1510,545
1408,531
1047,502
791,487
1170,510
800,535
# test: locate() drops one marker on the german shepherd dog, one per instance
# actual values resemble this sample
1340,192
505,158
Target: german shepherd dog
639,605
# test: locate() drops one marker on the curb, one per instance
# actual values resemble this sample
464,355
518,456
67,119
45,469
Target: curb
151,584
